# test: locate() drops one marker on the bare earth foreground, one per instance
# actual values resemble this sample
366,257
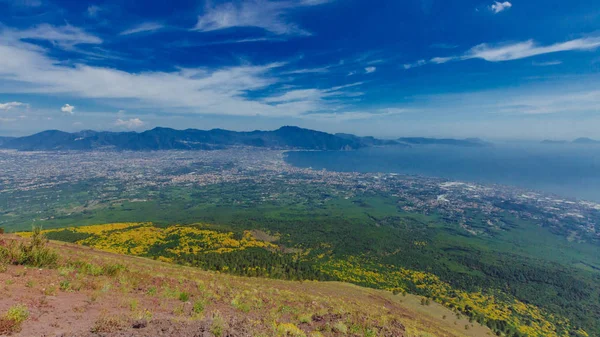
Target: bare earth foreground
95,293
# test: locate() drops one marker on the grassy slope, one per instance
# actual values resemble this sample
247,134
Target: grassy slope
71,299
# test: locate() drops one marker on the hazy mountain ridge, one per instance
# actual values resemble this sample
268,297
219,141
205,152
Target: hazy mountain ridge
581,140
287,137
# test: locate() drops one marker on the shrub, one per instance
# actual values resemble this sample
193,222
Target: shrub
340,327
113,269
13,319
289,329
306,318
198,307
218,325
1,230
183,296
65,285
35,253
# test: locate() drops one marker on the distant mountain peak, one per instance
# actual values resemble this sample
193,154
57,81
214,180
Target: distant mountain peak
585,140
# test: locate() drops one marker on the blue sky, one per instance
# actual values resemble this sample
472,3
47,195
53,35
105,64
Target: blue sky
492,69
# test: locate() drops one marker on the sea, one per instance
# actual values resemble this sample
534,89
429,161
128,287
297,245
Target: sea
568,170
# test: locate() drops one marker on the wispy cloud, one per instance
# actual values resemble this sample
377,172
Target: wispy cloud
268,15
547,63
357,115
369,70
93,11
65,36
225,90
320,70
529,48
311,101
143,28
498,7
513,51
414,64
132,123
10,105
68,109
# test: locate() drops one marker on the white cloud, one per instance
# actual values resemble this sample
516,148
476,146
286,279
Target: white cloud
10,105
514,51
132,123
440,60
319,70
93,10
415,64
344,86
67,108
268,15
369,70
142,28
64,36
526,49
498,7
26,68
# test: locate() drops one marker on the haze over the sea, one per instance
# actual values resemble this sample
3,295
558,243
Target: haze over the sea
566,170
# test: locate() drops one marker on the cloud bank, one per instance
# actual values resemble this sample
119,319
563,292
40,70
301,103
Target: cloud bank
10,105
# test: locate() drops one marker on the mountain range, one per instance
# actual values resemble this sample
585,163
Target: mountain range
287,137
582,140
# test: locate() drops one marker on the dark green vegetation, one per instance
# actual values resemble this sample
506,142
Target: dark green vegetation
518,259
255,262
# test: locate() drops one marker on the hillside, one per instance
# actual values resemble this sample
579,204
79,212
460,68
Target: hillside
86,292
287,137
579,141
